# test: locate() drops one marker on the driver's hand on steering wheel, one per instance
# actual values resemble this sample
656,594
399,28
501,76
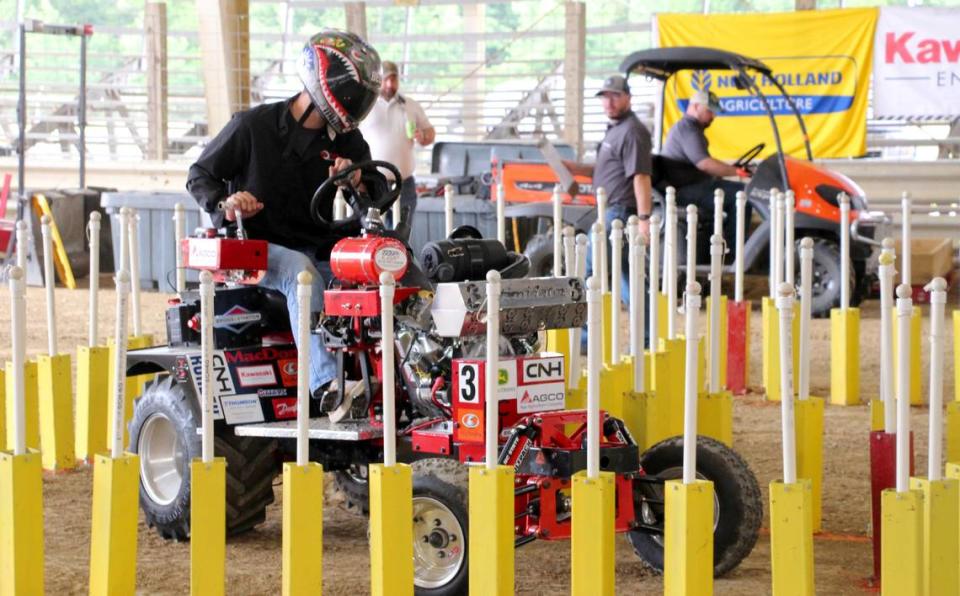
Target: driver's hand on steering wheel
744,172
342,163
245,202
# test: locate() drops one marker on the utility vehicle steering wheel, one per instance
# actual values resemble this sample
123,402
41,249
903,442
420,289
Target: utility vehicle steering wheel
376,185
744,160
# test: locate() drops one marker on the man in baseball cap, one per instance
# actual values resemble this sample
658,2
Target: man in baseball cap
688,167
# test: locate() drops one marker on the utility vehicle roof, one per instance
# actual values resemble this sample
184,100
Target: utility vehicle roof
662,63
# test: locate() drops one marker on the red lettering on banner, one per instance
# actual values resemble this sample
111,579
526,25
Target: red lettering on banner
928,50
898,46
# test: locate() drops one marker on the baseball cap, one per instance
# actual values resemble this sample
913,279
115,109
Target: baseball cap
615,84
709,99
388,68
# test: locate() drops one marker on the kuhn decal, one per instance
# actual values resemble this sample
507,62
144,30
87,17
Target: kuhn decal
260,375
242,409
237,319
286,408
288,372
541,398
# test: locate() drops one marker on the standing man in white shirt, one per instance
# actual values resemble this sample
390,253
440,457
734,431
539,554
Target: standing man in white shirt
391,128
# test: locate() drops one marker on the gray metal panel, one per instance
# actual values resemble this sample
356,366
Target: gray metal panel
429,221
156,233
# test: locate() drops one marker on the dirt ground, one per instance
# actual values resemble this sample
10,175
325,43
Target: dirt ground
843,558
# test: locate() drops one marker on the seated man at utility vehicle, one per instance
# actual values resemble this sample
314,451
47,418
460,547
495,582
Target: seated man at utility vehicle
268,162
693,172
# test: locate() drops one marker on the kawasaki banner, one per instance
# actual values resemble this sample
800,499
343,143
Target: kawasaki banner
822,59
916,63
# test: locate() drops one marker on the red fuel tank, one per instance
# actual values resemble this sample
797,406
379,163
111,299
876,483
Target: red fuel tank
360,261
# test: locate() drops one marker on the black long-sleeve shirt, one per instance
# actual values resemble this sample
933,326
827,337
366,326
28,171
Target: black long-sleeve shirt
265,152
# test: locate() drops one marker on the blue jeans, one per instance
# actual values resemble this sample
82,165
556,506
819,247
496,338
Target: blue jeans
283,266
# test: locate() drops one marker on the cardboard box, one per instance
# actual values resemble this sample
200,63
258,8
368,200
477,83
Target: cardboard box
929,258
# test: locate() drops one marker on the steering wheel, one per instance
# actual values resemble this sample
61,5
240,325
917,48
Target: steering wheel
744,160
376,185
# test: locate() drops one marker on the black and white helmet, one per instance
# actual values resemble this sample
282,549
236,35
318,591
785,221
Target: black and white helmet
341,73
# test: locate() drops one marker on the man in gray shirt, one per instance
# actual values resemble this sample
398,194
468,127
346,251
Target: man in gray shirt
623,167
691,170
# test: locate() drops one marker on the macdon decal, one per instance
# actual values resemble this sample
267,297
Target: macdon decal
260,355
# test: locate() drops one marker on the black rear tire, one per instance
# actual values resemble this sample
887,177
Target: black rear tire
354,486
826,277
251,463
736,492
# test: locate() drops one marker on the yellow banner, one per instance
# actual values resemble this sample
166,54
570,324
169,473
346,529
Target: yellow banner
821,57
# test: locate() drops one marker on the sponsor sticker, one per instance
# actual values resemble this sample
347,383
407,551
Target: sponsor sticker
223,383
237,319
260,375
272,392
288,372
470,425
541,370
259,355
285,408
204,252
541,397
390,258
242,409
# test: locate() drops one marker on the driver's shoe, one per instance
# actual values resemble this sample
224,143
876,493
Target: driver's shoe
340,409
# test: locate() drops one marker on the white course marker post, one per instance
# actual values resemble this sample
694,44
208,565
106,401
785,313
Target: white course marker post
902,509
738,313
592,539
616,260
302,545
941,496
571,336
448,209
602,268
23,244
655,296
844,326
93,366
391,483
582,246
179,233
133,222
692,221
716,265
21,498
688,529
791,527
208,497
501,219
557,230
770,319
670,262
789,205
491,498
887,273
116,478
54,390
716,405
906,241
718,198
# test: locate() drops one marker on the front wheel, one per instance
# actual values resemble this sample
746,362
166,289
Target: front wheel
738,505
440,527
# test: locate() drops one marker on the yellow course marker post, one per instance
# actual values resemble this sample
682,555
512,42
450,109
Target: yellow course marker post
592,532
902,509
791,517
715,410
3,409
93,366
303,480
808,410
844,326
688,529
113,534
21,485
491,551
208,515
941,496
391,484
55,395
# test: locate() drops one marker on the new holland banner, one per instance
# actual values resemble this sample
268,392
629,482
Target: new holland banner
916,63
822,58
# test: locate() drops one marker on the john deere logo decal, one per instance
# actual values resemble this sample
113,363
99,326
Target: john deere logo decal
237,319
503,377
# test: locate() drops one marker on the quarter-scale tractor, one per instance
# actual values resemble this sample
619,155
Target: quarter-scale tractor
440,323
